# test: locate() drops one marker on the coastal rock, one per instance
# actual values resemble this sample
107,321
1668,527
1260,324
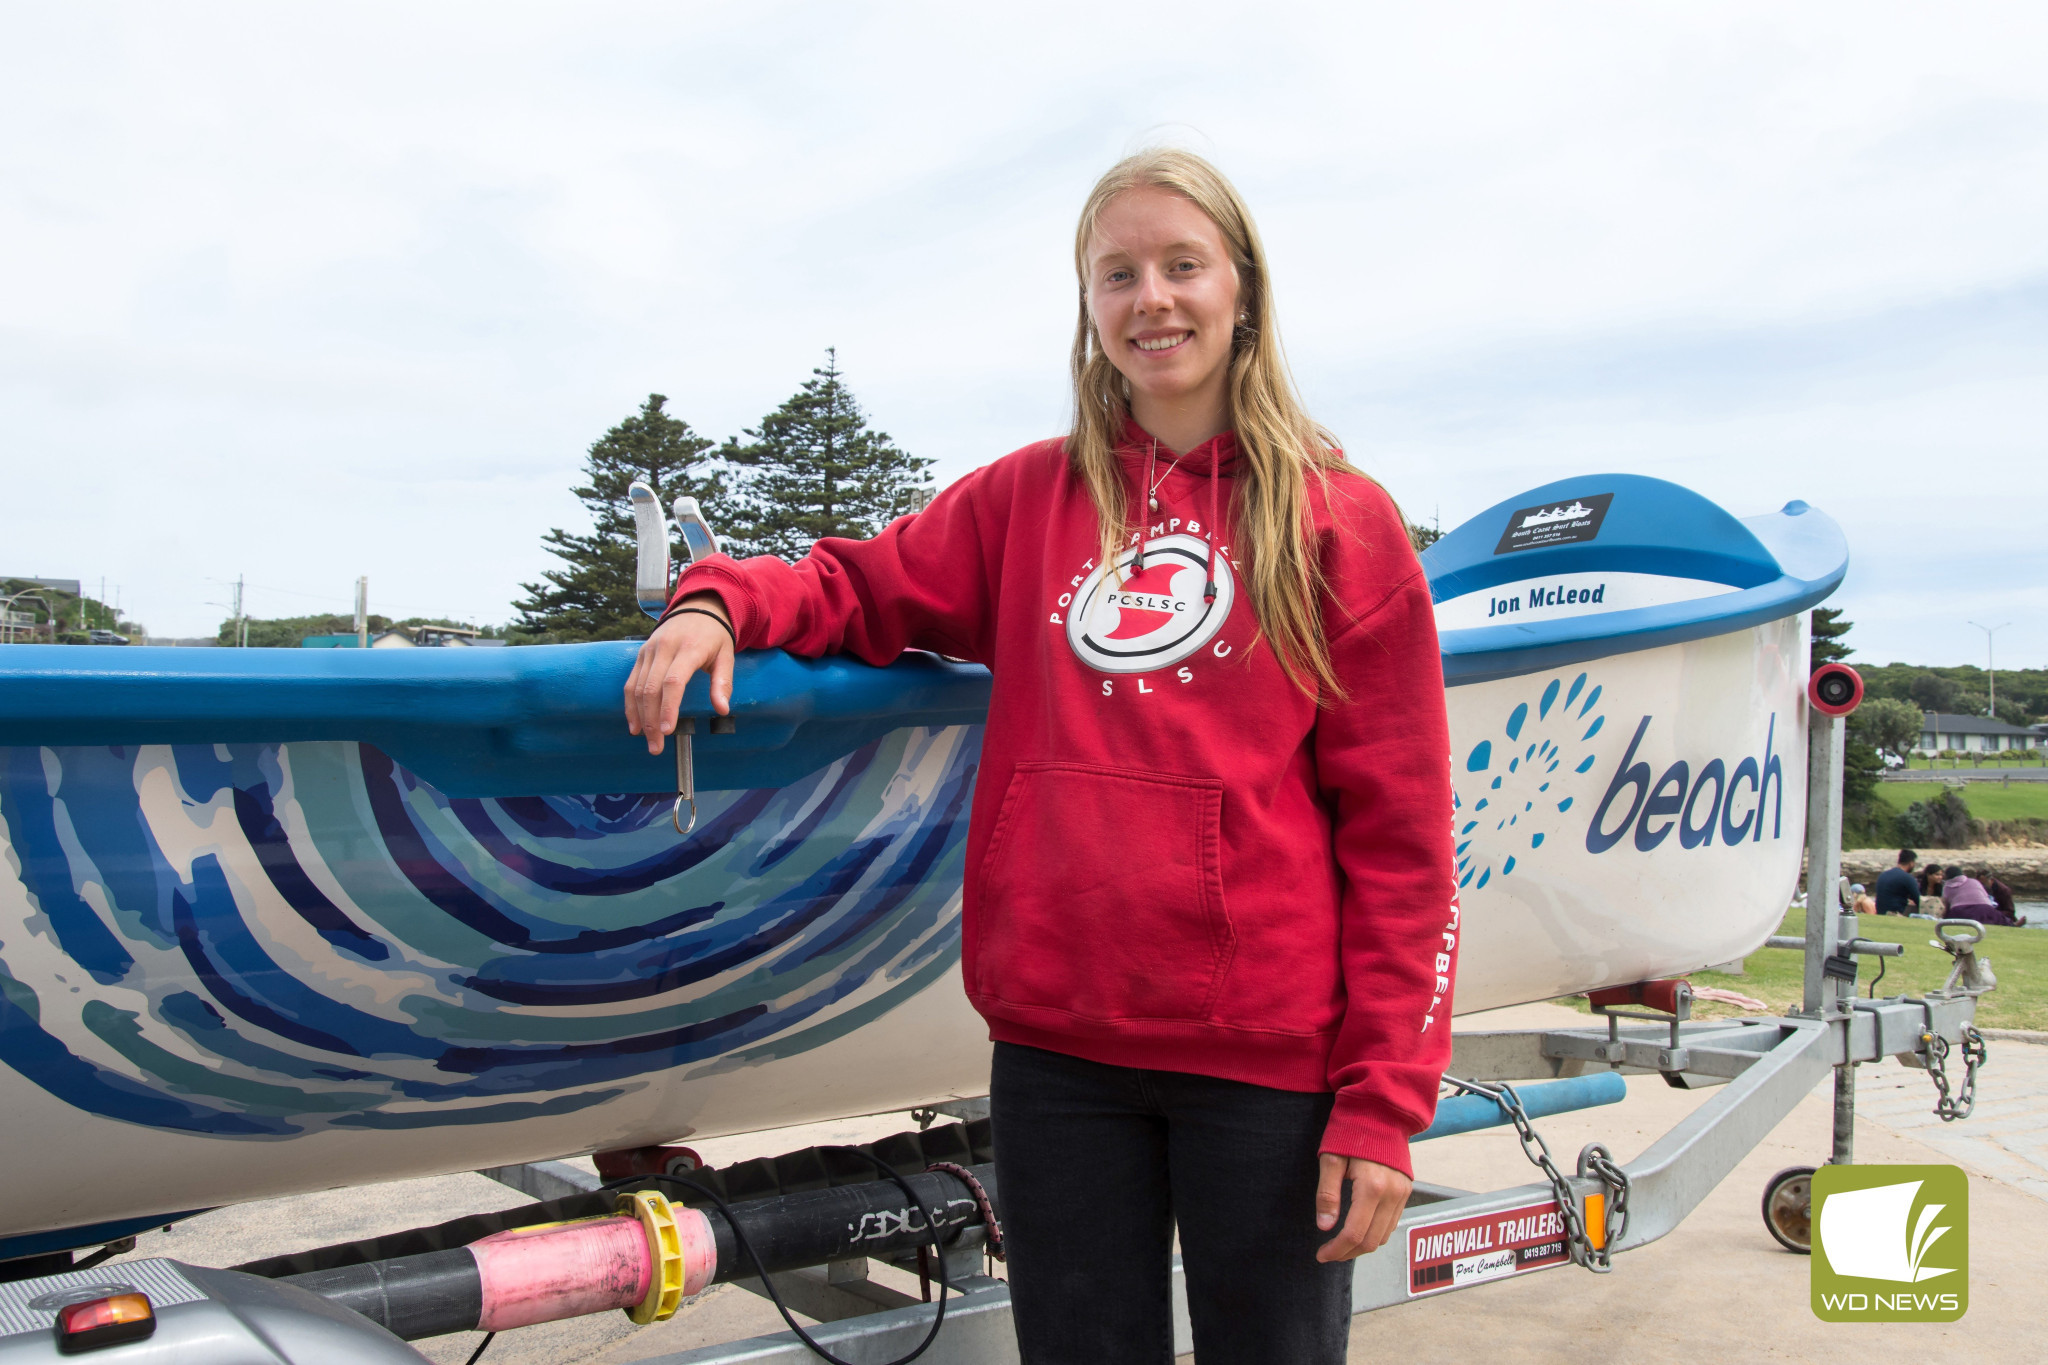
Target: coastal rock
2025,870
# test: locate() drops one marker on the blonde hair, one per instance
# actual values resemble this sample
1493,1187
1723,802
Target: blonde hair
1280,447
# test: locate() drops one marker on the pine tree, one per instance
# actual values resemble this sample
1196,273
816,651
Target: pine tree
1862,767
814,468
1828,630
590,597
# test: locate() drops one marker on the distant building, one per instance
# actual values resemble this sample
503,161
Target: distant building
1972,734
18,624
429,637
383,639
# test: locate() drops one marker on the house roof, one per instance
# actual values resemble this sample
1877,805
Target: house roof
1940,722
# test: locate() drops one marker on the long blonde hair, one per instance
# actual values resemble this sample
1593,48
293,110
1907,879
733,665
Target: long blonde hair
1279,445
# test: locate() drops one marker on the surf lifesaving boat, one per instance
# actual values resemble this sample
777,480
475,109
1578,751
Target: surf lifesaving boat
277,920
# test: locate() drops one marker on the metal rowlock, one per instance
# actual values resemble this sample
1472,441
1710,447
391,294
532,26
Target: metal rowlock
686,767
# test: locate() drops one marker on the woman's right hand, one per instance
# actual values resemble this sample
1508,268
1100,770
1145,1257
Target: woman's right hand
678,648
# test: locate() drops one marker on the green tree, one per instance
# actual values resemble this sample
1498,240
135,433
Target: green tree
1862,817
61,617
814,468
1828,630
1862,770
1889,726
288,632
1422,537
1943,822
2012,712
1969,702
285,632
1933,693
590,597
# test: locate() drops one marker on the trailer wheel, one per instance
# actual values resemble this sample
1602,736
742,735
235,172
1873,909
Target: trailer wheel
1788,1208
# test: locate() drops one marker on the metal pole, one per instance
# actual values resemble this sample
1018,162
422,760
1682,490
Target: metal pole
241,632
1827,997
1844,1153
1991,666
363,612
1823,857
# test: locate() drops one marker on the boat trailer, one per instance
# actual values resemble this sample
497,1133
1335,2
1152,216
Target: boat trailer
665,1230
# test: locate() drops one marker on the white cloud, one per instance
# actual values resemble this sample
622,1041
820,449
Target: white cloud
308,293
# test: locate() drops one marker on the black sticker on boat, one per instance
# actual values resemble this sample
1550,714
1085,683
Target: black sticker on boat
1554,523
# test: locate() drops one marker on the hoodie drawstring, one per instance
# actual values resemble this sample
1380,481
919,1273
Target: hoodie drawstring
1145,512
1145,526
1209,564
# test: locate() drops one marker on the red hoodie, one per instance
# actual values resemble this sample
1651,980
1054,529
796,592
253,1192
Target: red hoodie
1177,859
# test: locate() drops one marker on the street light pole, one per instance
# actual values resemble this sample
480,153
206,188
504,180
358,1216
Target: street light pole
1991,665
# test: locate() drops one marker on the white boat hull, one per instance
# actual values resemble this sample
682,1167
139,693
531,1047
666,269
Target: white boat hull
1559,918
1567,918
273,921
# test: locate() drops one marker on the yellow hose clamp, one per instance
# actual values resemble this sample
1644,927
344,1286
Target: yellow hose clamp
665,1255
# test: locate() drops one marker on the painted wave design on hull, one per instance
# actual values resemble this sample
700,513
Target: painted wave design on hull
268,940
1511,789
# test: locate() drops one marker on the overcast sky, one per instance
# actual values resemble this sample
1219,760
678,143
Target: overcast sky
309,292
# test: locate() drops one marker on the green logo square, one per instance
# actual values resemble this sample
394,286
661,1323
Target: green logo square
1891,1243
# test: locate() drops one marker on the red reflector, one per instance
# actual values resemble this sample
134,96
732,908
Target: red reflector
104,1322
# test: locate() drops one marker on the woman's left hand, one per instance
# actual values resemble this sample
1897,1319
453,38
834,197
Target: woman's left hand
1378,1194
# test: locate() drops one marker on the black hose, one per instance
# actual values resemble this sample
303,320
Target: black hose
768,1283
428,1295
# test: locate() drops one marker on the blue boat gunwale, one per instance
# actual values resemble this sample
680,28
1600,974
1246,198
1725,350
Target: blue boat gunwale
1772,566
547,719
538,721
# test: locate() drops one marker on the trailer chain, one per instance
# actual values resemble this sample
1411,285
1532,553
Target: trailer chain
1594,1162
1975,1054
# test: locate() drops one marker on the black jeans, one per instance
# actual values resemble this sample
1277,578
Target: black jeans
1097,1164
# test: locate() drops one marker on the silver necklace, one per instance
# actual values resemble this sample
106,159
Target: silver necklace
1152,498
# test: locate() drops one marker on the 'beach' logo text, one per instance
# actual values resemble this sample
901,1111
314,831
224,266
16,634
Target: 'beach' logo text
1697,806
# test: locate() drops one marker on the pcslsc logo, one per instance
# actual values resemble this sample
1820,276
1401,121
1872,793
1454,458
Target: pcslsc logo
1126,622
1716,801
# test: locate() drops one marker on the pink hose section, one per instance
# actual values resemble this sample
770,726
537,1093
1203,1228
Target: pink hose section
561,1272
700,1250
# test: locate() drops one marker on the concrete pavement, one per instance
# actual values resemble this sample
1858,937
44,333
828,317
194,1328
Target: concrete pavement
1717,1288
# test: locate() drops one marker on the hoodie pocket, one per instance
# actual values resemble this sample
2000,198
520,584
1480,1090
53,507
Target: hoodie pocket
1101,895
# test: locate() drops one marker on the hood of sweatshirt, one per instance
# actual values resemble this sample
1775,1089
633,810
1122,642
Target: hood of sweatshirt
1214,458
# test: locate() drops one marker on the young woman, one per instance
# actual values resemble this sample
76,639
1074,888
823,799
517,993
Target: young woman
1209,912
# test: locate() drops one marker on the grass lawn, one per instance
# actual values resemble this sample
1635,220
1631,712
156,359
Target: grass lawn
2019,957
2032,758
1986,800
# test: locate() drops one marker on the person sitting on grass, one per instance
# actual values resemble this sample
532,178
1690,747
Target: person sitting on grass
1999,892
1964,897
1898,893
